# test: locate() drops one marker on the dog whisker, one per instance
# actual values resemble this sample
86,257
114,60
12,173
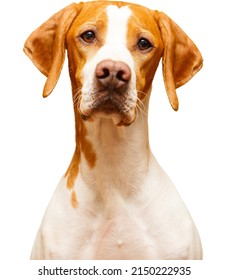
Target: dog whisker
142,92
76,95
77,91
141,107
77,99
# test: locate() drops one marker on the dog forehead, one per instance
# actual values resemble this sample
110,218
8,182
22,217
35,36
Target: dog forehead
102,11
110,21
91,12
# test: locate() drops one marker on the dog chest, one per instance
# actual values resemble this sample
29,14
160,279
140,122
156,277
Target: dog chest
124,229
118,237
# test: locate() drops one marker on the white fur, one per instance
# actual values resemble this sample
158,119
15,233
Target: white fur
128,207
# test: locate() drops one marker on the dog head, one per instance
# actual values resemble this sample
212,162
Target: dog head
114,49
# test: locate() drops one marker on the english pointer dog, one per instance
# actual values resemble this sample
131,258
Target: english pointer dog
114,201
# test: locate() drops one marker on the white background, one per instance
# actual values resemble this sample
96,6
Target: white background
37,135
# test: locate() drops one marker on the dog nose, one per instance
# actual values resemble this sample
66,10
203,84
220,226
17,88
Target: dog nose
113,73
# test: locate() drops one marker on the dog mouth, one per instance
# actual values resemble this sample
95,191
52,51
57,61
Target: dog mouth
117,107
109,105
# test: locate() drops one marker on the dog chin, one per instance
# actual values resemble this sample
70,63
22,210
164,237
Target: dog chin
118,118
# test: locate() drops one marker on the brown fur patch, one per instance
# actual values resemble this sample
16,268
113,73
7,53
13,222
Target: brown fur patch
74,201
73,169
83,145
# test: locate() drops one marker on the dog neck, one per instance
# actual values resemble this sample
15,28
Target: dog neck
110,154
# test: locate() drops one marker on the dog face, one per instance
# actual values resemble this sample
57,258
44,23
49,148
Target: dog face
116,52
114,49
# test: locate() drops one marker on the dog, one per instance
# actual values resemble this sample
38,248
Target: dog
114,201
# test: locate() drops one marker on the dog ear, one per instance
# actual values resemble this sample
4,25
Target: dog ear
46,45
181,58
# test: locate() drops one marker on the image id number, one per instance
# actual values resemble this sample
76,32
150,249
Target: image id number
161,270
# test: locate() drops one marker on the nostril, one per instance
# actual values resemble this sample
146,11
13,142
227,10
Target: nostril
102,72
120,76
123,72
105,73
123,76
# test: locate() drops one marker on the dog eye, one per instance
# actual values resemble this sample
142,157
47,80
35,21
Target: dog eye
88,37
144,44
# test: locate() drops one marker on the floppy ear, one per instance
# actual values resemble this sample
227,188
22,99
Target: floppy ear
46,45
181,59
